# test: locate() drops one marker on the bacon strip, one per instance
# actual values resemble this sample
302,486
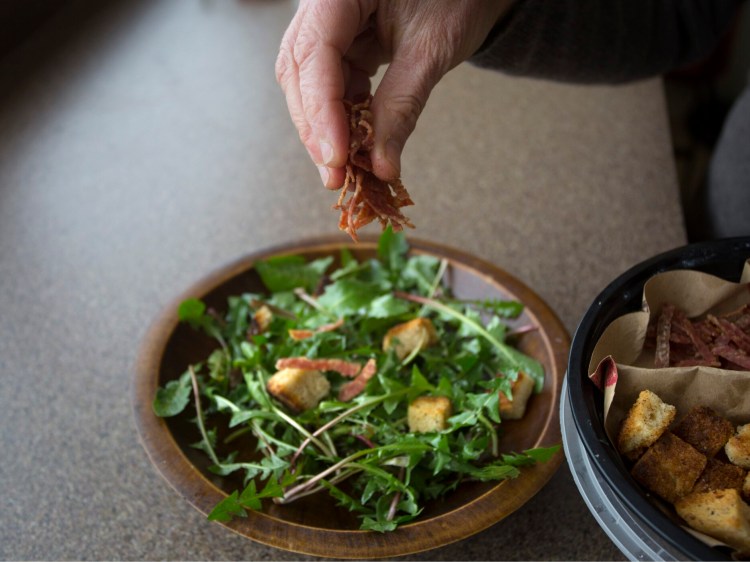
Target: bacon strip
712,341
299,335
369,197
345,368
736,356
701,347
733,332
663,330
352,388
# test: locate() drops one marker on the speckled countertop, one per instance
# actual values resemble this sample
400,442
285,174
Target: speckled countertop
143,144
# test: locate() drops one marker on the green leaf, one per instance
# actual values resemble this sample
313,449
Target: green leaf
257,391
249,497
463,419
495,472
410,506
502,308
251,354
346,258
542,454
206,445
512,359
370,524
492,406
445,386
371,487
238,315
419,272
236,504
191,310
473,449
496,328
227,509
387,306
242,416
419,384
224,404
173,397
285,273
468,328
217,365
343,499
347,296
392,249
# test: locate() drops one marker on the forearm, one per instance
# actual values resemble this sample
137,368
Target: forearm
611,41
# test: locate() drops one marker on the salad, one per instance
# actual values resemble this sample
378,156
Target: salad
342,395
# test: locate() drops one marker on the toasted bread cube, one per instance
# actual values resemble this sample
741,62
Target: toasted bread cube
263,318
746,487
669,468
705,430
299,389
738,447
515,407
409,336
719,475
720,514
648,418
429,413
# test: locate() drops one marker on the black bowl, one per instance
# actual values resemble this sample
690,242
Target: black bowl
723,258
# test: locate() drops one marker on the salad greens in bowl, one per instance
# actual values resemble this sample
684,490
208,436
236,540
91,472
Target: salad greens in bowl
354,400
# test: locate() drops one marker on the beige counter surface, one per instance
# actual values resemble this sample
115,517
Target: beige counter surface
145,144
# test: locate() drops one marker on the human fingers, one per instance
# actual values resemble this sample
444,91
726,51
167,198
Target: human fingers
358,82
396,106
425,39
287,76
325,34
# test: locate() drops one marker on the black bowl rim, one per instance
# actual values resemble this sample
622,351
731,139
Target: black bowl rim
724,258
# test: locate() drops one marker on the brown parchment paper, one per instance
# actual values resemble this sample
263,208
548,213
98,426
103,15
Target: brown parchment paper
623,368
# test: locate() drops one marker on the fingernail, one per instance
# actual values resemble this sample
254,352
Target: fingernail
326,152
393,154
324,174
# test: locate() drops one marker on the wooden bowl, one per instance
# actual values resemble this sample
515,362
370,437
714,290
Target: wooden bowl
314,525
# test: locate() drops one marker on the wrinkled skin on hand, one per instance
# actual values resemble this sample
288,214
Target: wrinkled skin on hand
333,47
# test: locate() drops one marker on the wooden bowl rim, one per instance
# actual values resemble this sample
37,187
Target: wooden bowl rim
166,455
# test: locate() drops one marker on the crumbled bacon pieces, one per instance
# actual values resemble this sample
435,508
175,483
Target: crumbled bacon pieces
352,388
369,197
299,335
663,331
713,341
346,368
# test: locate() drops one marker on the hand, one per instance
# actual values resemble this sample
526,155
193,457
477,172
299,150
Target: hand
333,47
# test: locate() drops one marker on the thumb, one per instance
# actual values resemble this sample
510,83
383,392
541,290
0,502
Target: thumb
396,106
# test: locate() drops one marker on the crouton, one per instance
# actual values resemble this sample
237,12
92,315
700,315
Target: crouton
263,318
705,430
515,407
429,413
738,447
746,487
719,475
299,389
669,468
720,514
646,421
405,338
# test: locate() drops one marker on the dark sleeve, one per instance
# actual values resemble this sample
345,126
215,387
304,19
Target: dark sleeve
604,40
